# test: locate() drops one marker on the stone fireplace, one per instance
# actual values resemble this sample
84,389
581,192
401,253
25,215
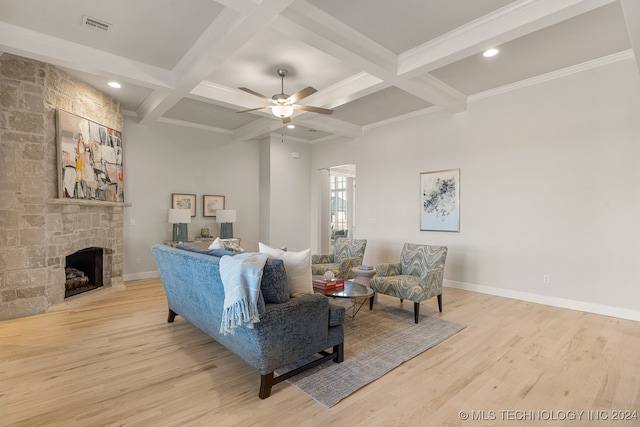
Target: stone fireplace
83,271
38,230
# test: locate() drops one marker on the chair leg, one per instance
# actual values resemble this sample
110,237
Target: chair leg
172,316
416,311
440,303
371,301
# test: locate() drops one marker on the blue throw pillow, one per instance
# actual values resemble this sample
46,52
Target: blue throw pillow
274,285
214,252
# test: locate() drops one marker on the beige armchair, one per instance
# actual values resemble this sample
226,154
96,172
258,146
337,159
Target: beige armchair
348,253
417,277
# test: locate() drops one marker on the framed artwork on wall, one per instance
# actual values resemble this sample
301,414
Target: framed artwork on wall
210,204
89,159
184,201
440,200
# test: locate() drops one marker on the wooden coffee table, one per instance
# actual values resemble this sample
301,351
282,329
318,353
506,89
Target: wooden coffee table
357,293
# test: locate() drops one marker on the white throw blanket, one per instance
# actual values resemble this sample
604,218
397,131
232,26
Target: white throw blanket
241,276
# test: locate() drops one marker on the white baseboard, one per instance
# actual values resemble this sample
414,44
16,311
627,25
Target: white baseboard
143,275
606,310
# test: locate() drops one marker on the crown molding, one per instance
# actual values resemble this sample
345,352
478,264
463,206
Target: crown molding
605,60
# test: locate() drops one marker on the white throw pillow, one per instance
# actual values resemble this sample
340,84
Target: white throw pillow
298,266
217,244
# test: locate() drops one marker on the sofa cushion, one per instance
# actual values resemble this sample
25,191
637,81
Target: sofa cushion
274,285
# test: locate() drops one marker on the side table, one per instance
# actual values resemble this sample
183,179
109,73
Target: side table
363,276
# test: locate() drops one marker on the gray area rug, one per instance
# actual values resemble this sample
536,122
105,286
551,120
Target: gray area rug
375,343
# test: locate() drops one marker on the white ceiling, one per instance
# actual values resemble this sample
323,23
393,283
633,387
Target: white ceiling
182,61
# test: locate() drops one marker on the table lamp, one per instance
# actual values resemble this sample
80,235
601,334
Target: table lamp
226,218
180,218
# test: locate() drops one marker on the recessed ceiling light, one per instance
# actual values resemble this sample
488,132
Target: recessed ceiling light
291,126
115,85
490,52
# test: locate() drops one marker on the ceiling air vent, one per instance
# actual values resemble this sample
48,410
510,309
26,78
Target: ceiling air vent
95,24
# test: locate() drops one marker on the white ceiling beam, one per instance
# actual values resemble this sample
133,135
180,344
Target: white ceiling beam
226,34
631,12
255,129
224,96
316,28
241,6
319,122
31,44
194,125
508,23
328,124
435,91
310,25
347,90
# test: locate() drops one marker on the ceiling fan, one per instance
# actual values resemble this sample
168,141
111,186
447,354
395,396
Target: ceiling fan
283,104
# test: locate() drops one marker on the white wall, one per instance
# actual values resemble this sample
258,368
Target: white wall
269,189
289,193
549,185
162,159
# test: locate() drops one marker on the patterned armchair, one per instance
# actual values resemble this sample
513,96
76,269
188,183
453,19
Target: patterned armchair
417,277
348,253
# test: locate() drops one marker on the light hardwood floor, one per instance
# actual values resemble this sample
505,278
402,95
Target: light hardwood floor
115,361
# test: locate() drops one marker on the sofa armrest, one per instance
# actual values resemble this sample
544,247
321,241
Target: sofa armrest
322,259
294,329
336,314
389,269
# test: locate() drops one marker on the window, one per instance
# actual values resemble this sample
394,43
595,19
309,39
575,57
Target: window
338,203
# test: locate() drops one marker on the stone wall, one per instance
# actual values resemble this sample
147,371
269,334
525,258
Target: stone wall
38,230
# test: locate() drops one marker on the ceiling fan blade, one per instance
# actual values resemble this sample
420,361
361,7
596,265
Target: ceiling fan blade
301,94
253,92
313,109
253,109
286,120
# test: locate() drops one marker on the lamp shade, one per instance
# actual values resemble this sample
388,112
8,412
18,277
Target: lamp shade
179,216
226,215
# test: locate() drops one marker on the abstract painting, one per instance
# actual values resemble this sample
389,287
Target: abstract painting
440,200
89,160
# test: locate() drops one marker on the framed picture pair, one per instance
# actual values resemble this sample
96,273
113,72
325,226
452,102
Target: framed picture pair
210,203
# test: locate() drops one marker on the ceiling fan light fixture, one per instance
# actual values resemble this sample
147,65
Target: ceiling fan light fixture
282,111
283,104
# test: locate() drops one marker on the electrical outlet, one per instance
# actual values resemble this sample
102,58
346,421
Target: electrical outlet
137,260
545,278
133,222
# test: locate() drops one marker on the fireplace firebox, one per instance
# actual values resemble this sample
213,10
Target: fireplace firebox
83,271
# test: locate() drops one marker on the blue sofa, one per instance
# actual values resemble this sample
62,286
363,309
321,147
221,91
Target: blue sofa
290,329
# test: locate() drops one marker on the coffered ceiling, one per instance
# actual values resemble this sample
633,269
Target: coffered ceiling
182,61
